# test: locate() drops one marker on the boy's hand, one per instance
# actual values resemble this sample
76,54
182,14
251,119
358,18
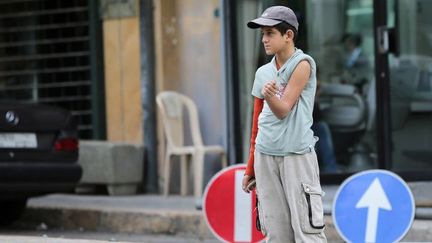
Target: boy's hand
269,89
246,183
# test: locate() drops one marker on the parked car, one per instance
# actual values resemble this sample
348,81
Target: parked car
38,155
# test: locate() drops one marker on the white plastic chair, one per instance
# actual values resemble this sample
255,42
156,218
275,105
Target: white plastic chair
171,106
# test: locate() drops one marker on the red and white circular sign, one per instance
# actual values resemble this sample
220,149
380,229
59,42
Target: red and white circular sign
229,211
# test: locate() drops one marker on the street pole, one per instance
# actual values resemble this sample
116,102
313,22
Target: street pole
148,96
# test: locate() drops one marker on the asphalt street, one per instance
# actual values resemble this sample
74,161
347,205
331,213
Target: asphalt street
61,236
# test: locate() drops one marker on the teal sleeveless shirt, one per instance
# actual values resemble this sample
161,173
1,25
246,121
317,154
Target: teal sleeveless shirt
293,134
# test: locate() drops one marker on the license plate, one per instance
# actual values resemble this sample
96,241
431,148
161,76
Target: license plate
18,140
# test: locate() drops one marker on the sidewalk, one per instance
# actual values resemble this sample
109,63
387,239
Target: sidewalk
29,239
152,214
174,215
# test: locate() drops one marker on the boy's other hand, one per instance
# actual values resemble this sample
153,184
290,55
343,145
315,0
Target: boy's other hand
246,183
269,89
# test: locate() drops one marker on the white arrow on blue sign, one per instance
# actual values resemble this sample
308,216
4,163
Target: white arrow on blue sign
373,206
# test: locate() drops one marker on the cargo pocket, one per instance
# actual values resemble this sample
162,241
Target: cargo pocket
260,218
312,216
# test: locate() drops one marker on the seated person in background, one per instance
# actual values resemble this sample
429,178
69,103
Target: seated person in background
324,146
356,64
355,56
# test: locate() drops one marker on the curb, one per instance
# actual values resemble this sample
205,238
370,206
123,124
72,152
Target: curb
160,222
121,221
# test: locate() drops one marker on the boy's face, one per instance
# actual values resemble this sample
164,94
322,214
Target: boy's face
273,40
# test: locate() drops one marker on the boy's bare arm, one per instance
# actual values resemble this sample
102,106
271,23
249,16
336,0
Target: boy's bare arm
282,107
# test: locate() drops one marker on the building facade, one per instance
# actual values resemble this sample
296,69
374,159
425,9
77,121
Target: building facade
106,60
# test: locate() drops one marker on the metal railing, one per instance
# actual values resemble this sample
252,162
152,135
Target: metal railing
45,56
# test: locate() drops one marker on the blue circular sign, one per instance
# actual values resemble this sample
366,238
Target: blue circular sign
373,206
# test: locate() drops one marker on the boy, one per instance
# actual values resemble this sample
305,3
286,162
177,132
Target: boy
286,167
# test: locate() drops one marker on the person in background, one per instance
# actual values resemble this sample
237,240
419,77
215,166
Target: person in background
355,56
356,64
324,146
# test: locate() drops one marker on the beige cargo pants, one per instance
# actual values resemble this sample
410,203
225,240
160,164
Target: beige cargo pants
290,198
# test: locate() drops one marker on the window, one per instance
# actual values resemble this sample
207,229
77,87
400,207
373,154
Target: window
45,56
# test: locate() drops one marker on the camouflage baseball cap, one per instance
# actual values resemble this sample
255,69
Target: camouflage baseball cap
273,16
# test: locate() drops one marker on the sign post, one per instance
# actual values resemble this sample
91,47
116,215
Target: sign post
373,206
228,210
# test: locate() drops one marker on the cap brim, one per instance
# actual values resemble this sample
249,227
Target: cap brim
260,22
